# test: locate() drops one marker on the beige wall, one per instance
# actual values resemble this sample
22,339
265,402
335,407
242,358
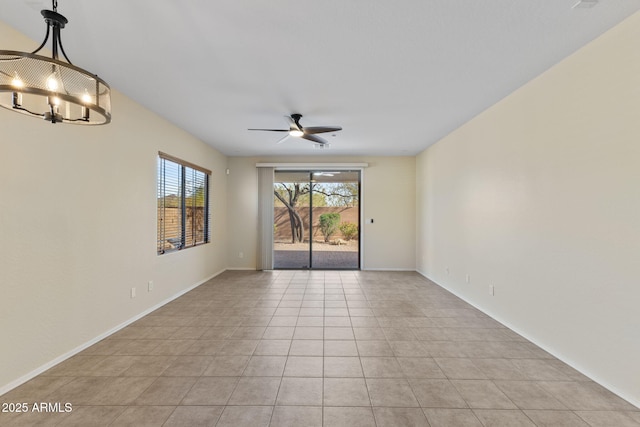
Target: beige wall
388,192
539,196
78,227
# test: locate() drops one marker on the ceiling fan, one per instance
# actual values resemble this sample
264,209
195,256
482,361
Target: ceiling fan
298,131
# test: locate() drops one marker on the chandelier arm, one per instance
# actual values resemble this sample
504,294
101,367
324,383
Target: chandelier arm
62,49
44,42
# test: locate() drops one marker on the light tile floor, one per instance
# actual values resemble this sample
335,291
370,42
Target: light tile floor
321,348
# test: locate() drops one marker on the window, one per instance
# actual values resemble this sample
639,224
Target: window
183,204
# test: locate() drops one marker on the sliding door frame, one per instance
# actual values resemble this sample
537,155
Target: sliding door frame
311,167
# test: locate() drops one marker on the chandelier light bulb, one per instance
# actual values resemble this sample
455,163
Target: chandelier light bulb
52,82
17,82
86,98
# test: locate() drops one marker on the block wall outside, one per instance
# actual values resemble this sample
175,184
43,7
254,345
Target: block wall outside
282,232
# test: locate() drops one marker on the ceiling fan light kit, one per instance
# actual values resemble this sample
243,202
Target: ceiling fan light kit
49,88
309,133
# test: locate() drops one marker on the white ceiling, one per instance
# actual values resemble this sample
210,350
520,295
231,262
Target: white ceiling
396,75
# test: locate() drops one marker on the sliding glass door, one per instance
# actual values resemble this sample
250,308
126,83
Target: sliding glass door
336,219
317,220
291,215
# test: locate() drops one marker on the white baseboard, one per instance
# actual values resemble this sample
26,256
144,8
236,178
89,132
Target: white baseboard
23,379
387,269
560,357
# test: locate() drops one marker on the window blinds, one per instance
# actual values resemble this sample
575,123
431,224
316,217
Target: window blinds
183,204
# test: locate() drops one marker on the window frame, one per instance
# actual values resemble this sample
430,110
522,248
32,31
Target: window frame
188,238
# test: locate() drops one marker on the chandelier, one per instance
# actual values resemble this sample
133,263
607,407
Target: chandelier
50,88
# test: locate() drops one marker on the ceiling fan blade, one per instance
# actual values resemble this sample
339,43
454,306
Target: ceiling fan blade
314,138
321,129
281,140
272,130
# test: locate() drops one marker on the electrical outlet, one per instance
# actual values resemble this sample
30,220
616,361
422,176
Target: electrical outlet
240,254
492,290
133,292
150,286
468,279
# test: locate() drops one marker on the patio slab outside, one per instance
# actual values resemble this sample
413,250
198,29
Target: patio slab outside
325,255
